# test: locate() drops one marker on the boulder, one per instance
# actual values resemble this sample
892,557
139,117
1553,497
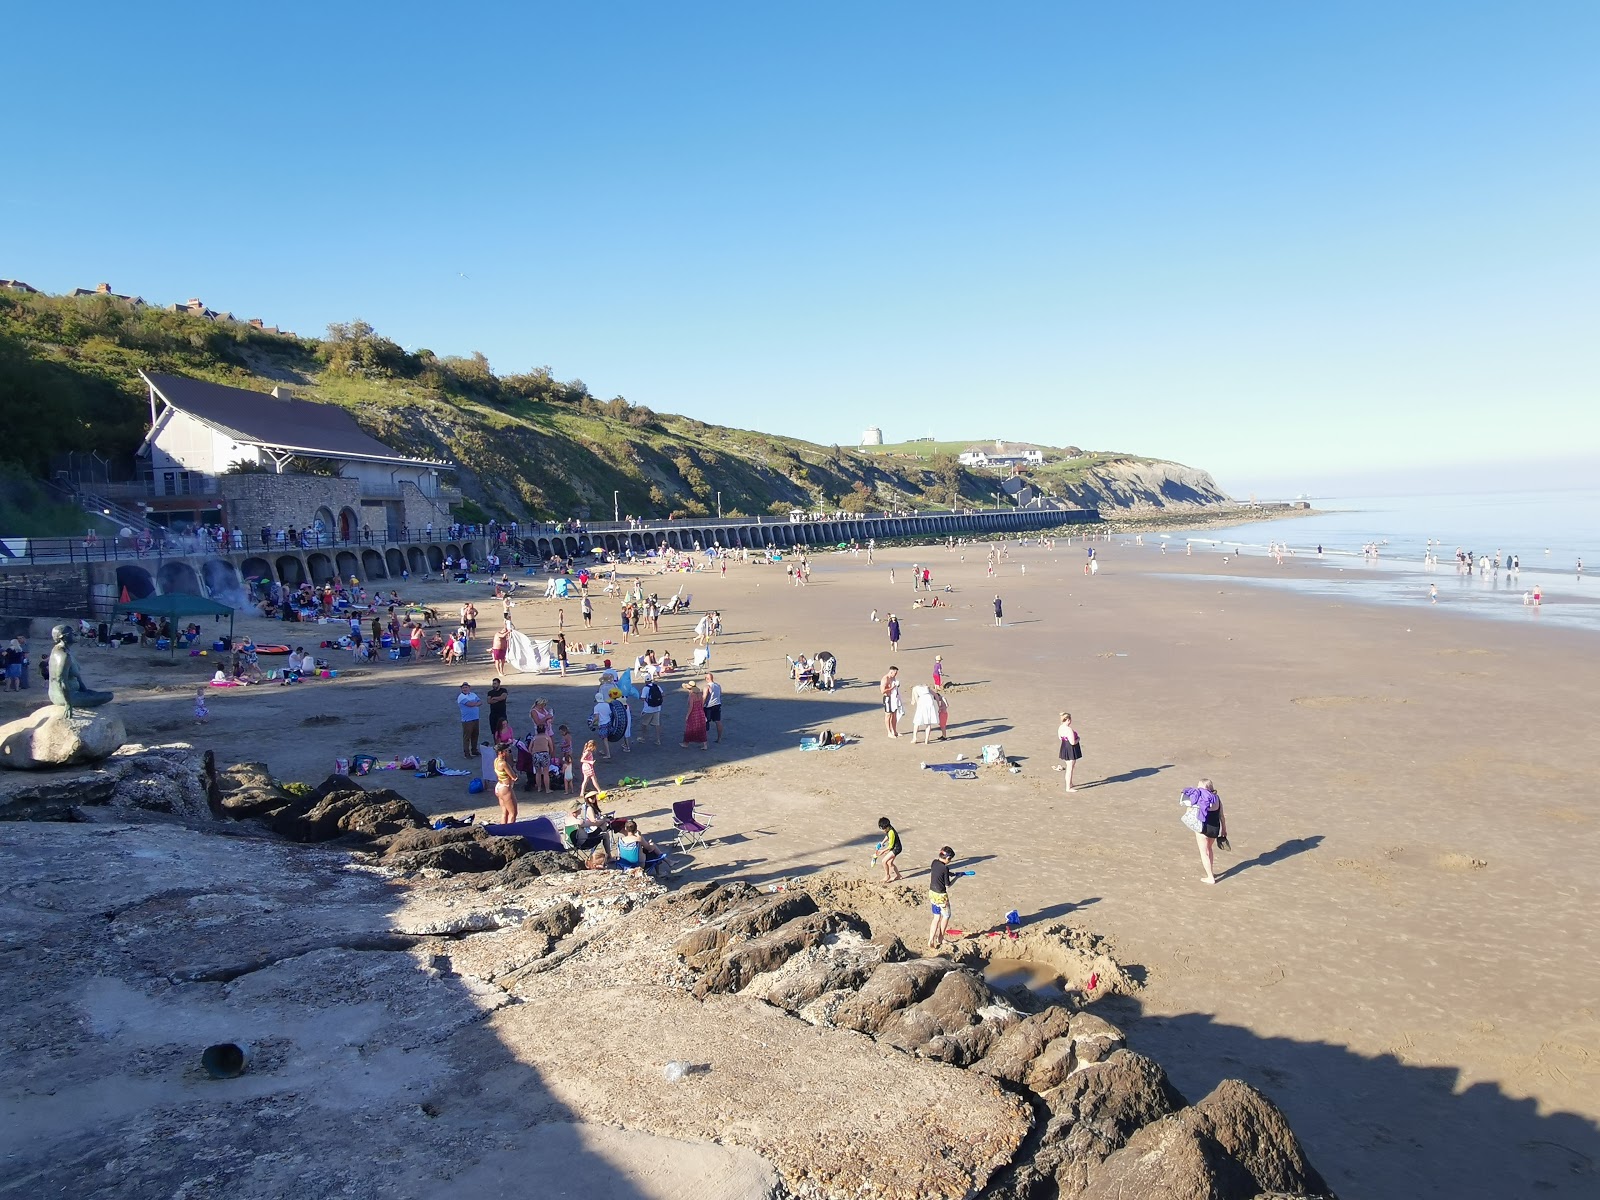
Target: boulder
952,1006
248,790
53,797
466,849
1016,1048
839,964
767,914
893,986
1095,1111
50,738
764,954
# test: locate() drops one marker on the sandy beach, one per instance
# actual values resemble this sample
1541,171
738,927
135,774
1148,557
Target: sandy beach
1400,950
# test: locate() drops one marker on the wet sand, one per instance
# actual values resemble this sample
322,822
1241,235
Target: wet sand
1402,948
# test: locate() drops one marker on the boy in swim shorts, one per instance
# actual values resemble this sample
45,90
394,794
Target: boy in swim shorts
940,876
888,848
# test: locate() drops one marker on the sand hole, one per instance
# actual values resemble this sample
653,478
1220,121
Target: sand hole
1045,982
1462,862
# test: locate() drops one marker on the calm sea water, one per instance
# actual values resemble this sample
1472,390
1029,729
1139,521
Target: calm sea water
1549,531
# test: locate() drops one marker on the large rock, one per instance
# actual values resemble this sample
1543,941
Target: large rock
1012,1054
1233,1145
893,986
50,738
1095,1111
766,953
465,849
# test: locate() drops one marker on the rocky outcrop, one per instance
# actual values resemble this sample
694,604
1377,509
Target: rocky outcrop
143,779
1108,1122
1134,484
48,738
457,1017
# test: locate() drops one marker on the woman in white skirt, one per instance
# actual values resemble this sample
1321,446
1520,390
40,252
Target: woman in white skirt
924,713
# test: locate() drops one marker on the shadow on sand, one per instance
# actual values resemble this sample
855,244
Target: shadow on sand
1377,1126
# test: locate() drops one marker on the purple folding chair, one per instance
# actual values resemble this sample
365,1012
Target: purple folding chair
691,830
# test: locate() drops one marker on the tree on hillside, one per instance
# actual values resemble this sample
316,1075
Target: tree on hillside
860,499
356,348
947,474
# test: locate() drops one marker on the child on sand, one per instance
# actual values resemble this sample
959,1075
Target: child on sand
590,780
888,848
201,713
940,877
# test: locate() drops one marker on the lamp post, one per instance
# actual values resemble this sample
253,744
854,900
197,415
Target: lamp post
719,506
616,507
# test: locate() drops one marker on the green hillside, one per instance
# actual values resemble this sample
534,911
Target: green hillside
528,445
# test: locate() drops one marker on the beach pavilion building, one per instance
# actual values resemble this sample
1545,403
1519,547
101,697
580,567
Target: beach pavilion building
256,460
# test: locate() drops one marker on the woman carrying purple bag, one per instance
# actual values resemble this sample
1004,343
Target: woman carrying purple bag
1202,813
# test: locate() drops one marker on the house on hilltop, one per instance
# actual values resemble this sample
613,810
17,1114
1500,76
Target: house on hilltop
1001,454
104,289
239,457
16,285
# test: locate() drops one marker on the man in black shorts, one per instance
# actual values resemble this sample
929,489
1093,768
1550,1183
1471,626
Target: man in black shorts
714,703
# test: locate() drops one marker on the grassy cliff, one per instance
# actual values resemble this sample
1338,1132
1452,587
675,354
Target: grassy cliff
527,445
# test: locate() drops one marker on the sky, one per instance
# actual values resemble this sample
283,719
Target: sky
1297,245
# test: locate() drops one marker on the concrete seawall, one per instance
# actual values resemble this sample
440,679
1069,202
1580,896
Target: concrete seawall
83,589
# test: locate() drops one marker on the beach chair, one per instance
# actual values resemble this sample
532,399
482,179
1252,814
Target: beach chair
691,829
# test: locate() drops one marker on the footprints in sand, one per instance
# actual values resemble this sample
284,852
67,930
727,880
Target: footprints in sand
1345,701
726,771
1381,874
1567,816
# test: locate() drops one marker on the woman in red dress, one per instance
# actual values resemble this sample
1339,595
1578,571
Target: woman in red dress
694,724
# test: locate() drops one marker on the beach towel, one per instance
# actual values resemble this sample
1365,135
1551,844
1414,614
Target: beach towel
526,654
955,770
442,771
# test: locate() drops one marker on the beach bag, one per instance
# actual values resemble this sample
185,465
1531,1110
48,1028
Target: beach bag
341,766
434,767
1197,805
362,764
993,754
474,786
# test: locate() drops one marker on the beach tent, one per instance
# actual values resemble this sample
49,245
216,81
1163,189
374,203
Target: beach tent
174,605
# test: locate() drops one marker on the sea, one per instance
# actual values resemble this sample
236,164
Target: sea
1550,533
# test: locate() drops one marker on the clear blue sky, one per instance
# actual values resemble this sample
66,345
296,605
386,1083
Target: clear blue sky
1288,242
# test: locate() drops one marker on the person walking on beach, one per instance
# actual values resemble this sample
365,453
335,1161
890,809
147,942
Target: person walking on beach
940,877
651,716
889,687
694,721
938,670
1203,815
1071,747
1433,593
887,850
587,609
999,611
713,694
894,634
468,704
558,647
943,708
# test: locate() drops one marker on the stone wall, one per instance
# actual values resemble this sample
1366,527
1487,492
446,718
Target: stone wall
285,501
